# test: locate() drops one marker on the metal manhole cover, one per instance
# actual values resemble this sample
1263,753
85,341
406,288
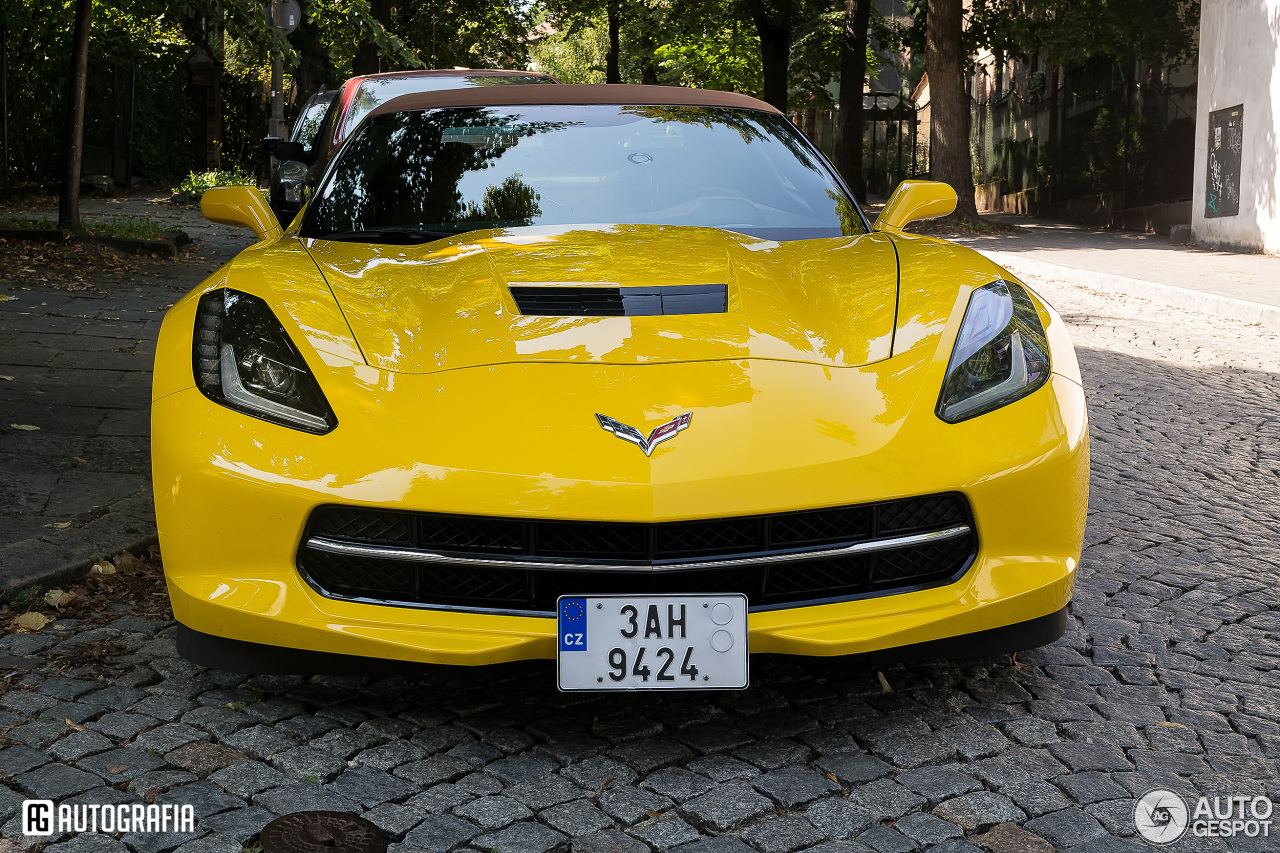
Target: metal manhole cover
322,832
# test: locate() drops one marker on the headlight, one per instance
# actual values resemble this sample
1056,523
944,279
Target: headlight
243,359
1000,355
293,170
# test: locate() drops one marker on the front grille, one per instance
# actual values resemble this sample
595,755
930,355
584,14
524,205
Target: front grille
637,555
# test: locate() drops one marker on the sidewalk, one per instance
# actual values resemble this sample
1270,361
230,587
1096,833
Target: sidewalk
75,392
1240,286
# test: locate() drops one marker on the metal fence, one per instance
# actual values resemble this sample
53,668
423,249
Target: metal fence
1100,128
895,138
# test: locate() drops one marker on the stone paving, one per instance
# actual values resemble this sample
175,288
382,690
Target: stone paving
1166,677
75,393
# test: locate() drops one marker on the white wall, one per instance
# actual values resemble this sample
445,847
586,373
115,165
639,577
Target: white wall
1240,64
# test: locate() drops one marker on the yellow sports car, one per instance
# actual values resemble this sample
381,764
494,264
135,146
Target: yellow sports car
619,376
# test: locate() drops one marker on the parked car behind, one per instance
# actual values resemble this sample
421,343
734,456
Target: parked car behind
358,97
287,175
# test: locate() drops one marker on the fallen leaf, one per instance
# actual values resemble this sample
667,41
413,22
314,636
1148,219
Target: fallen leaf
32,621
6,298
59,525
150,795
651,813
833,778
58,598
24,427
6,378
73,726
102,567
884,683
125,561
81,461
117,769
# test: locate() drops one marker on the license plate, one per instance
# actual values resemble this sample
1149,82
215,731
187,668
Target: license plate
653,642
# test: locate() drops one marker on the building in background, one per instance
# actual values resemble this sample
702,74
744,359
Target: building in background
1237,183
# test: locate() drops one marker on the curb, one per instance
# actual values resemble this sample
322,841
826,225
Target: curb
166,247
126,524
1255,313
72,572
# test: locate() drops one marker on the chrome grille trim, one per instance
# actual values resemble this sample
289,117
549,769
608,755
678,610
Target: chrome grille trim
416,555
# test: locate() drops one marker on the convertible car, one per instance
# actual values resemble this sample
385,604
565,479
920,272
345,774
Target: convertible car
619,376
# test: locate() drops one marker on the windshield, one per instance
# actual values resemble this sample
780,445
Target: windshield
411,176
376,91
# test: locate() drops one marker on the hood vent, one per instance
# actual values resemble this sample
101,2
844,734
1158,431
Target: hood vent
621,301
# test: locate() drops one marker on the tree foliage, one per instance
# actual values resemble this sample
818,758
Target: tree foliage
1073,31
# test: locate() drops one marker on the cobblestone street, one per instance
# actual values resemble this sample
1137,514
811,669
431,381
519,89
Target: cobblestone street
1166,678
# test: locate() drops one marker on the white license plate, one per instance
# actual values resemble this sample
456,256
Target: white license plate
652,642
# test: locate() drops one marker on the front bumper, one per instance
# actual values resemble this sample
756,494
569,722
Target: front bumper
233,494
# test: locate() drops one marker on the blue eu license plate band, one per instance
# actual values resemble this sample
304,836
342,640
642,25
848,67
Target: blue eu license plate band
572,624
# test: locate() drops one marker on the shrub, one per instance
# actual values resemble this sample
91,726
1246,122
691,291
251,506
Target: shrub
196,183
135,227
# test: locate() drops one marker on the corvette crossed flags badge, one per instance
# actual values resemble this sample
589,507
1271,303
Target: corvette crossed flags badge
636,437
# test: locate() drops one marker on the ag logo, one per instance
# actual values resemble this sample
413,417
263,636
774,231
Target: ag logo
1160,816
37,817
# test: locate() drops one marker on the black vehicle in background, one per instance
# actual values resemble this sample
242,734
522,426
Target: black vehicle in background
287,175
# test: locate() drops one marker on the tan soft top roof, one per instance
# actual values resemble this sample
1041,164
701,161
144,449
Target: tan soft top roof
598,93
452,72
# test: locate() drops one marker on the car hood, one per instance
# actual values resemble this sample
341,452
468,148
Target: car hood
447,304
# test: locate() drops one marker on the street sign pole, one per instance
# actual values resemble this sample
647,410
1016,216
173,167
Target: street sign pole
276,126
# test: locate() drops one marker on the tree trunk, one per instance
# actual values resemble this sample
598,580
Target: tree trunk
773,24
612,73
853,78
648,62
949,155
73,145
367,60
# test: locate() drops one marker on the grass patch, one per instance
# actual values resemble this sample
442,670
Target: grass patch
948,227
27,223
135,227
20,599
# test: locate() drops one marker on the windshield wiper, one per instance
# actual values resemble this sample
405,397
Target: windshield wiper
388,235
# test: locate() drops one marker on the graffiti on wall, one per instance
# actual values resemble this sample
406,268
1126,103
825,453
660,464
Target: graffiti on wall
1226,141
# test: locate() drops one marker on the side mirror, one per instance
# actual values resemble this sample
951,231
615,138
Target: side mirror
291,151
914,200
243,206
